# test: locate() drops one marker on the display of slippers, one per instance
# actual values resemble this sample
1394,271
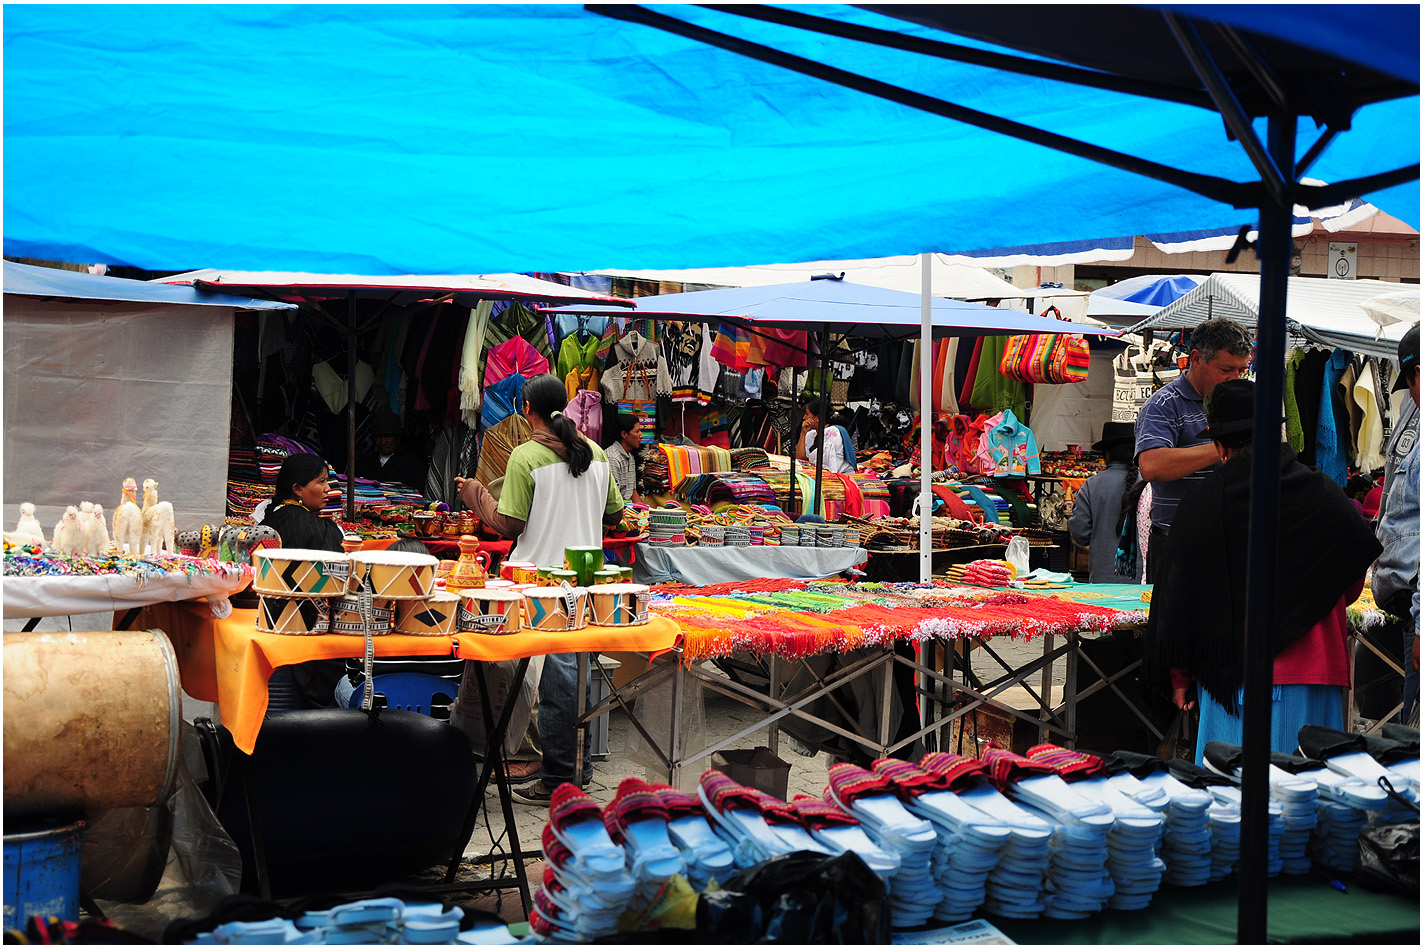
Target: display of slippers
735,810
577,822
786,822
1333,786
706,855
637,819
1039,784
840,831
1347,753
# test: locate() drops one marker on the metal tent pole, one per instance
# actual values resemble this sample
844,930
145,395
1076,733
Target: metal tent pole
816,502
1275,248
926,405
795,447
350,405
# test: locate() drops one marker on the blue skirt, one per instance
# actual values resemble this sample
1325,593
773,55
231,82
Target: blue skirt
1291,706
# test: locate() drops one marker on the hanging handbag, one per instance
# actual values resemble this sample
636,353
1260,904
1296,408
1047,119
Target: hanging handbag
1045,357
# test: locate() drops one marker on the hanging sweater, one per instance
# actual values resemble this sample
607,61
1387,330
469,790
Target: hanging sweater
633,357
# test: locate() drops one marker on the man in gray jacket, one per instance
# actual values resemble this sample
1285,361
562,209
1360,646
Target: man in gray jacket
1395,581
1096,512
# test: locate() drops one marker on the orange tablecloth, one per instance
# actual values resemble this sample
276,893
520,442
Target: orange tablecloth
653,637
228,661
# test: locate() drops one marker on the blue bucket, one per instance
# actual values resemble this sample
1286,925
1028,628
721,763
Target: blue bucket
42,874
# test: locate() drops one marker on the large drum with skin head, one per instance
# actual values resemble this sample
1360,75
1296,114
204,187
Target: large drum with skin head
91,720
396,575
300,572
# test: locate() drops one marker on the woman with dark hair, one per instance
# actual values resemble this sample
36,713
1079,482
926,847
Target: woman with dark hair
1098,509
295,513
295,509
839,453
558,493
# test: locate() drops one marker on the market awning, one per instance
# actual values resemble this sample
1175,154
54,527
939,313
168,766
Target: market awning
844,307
400,291
397,139
1327,311
53,283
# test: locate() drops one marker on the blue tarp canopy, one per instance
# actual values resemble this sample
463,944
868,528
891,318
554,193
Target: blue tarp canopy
455,139
54,284
842,306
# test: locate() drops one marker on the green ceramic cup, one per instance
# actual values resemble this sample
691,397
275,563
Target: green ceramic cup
584,562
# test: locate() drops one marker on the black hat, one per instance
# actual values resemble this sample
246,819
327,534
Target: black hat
1115,433
385,423
1407,358
1232,409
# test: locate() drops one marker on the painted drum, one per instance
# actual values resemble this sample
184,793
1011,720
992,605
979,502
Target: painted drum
300,572
397,575
432,617
346,616
499,584
490,610
619,605
293,616
556,608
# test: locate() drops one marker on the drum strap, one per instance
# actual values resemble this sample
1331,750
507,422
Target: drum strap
365,605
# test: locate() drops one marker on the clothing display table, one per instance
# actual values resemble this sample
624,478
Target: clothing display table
703,564
62,595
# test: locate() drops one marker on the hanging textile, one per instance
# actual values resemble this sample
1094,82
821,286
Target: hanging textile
496,445
993,390
731,346
1309,385
682,352
709,370
1365,396
581,379
1294,433
577,352
915,375
515,355
470,388
568,324
966,392
636,371
1329,451
585,410
504,398
772,347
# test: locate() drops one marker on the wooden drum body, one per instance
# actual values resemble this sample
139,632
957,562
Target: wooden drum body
490,610
300,572
619,605
394,575
432,617
556,608
91,720
293,616
346,616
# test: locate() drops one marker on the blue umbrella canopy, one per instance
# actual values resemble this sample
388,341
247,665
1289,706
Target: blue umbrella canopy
395,139
840,305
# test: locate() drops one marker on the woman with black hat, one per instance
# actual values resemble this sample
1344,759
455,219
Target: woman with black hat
1195,636
1096,511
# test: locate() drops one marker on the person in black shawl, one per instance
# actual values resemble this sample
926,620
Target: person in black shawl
295,514
295,510
1196,629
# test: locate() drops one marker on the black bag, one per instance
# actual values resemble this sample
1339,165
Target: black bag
1388,858
803,898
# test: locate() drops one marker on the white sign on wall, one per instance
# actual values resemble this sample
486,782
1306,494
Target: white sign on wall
1343,261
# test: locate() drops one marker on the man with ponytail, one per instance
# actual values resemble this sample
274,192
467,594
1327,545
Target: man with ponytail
558,493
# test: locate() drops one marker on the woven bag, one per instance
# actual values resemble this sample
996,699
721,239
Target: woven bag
1045,357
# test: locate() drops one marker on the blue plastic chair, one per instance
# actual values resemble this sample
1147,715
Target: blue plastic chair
415,692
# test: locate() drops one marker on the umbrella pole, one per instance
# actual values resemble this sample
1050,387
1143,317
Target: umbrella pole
926,403
795,447
351,405
818,504
1275,248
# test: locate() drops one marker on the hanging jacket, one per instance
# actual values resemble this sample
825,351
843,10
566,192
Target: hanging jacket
585,409
1012,447
575,354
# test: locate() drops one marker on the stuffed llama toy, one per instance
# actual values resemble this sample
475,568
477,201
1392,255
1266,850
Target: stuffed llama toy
158,529
128,522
